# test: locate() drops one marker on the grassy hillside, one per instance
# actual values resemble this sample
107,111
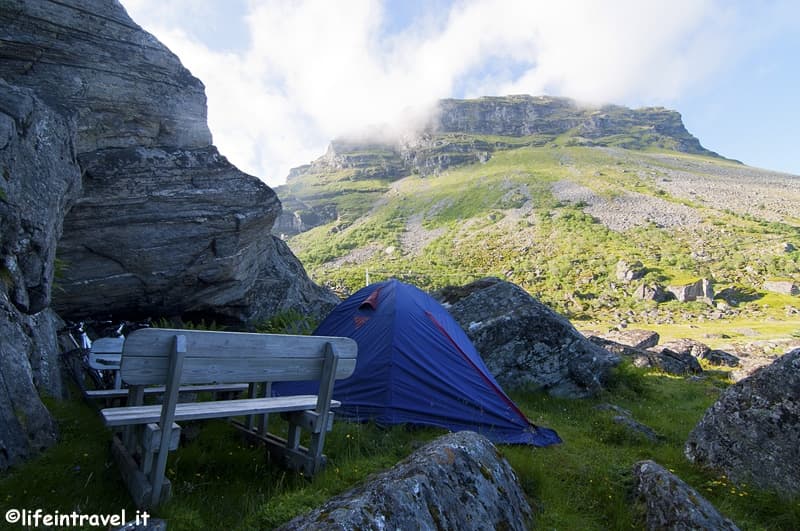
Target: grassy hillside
556,219
222,482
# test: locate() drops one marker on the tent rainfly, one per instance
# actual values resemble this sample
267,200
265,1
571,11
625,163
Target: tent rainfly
417,366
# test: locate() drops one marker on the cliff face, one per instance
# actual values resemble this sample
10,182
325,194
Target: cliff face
549,117
105,156
166,225
464,132
40,179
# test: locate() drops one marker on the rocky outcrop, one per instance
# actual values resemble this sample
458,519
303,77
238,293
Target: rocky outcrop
458,481
629,271
670,504
524,343
40,180
700,290
633,427
651,292
549,117
633,337
752,431
664,359
700,351
166,224
784,287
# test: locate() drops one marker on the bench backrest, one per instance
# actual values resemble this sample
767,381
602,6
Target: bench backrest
231,357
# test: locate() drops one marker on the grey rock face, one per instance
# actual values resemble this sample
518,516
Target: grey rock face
40,179
26,427
784,287
458,481
671,362
634,338
687,346
527,115
670,504
166,224
88,57
164,231
651,292
627,272
752,432
701,351
702,289
524,343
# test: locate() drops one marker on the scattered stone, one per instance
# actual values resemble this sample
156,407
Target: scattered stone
524,343
637,427
651,292
720,357
687,346
669,503
628,272
784,287
752,431
625,418
634,338
656,358
788,247
671,362
699,290
458,481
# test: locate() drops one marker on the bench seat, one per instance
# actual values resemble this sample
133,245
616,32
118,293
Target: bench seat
130,415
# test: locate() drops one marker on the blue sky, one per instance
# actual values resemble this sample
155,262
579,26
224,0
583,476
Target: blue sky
283,77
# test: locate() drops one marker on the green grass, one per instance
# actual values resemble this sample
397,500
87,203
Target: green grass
551,248
222,482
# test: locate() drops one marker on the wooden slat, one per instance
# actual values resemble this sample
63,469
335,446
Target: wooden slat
230,369
157,342
232,356
159,389
121,416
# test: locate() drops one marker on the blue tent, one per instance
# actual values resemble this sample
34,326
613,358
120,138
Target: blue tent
416,365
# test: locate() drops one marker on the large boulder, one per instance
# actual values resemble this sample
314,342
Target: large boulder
669,503
166,224
701,351
701,289
629,271
526,344
784,287
633,337
664,359
752,431
40,179
458,481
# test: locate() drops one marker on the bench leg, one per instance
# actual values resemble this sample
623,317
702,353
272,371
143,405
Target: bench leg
315,458
293,439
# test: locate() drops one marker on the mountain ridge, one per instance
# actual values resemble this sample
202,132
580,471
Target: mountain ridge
553,213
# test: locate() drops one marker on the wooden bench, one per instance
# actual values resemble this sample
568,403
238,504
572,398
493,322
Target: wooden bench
172,358
106,355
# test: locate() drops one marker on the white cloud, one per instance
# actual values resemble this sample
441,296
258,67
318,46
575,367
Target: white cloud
315,69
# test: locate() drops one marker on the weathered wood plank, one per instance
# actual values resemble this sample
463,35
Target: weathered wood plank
203,343
230,369
137,483
107,394
168,415
122,416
